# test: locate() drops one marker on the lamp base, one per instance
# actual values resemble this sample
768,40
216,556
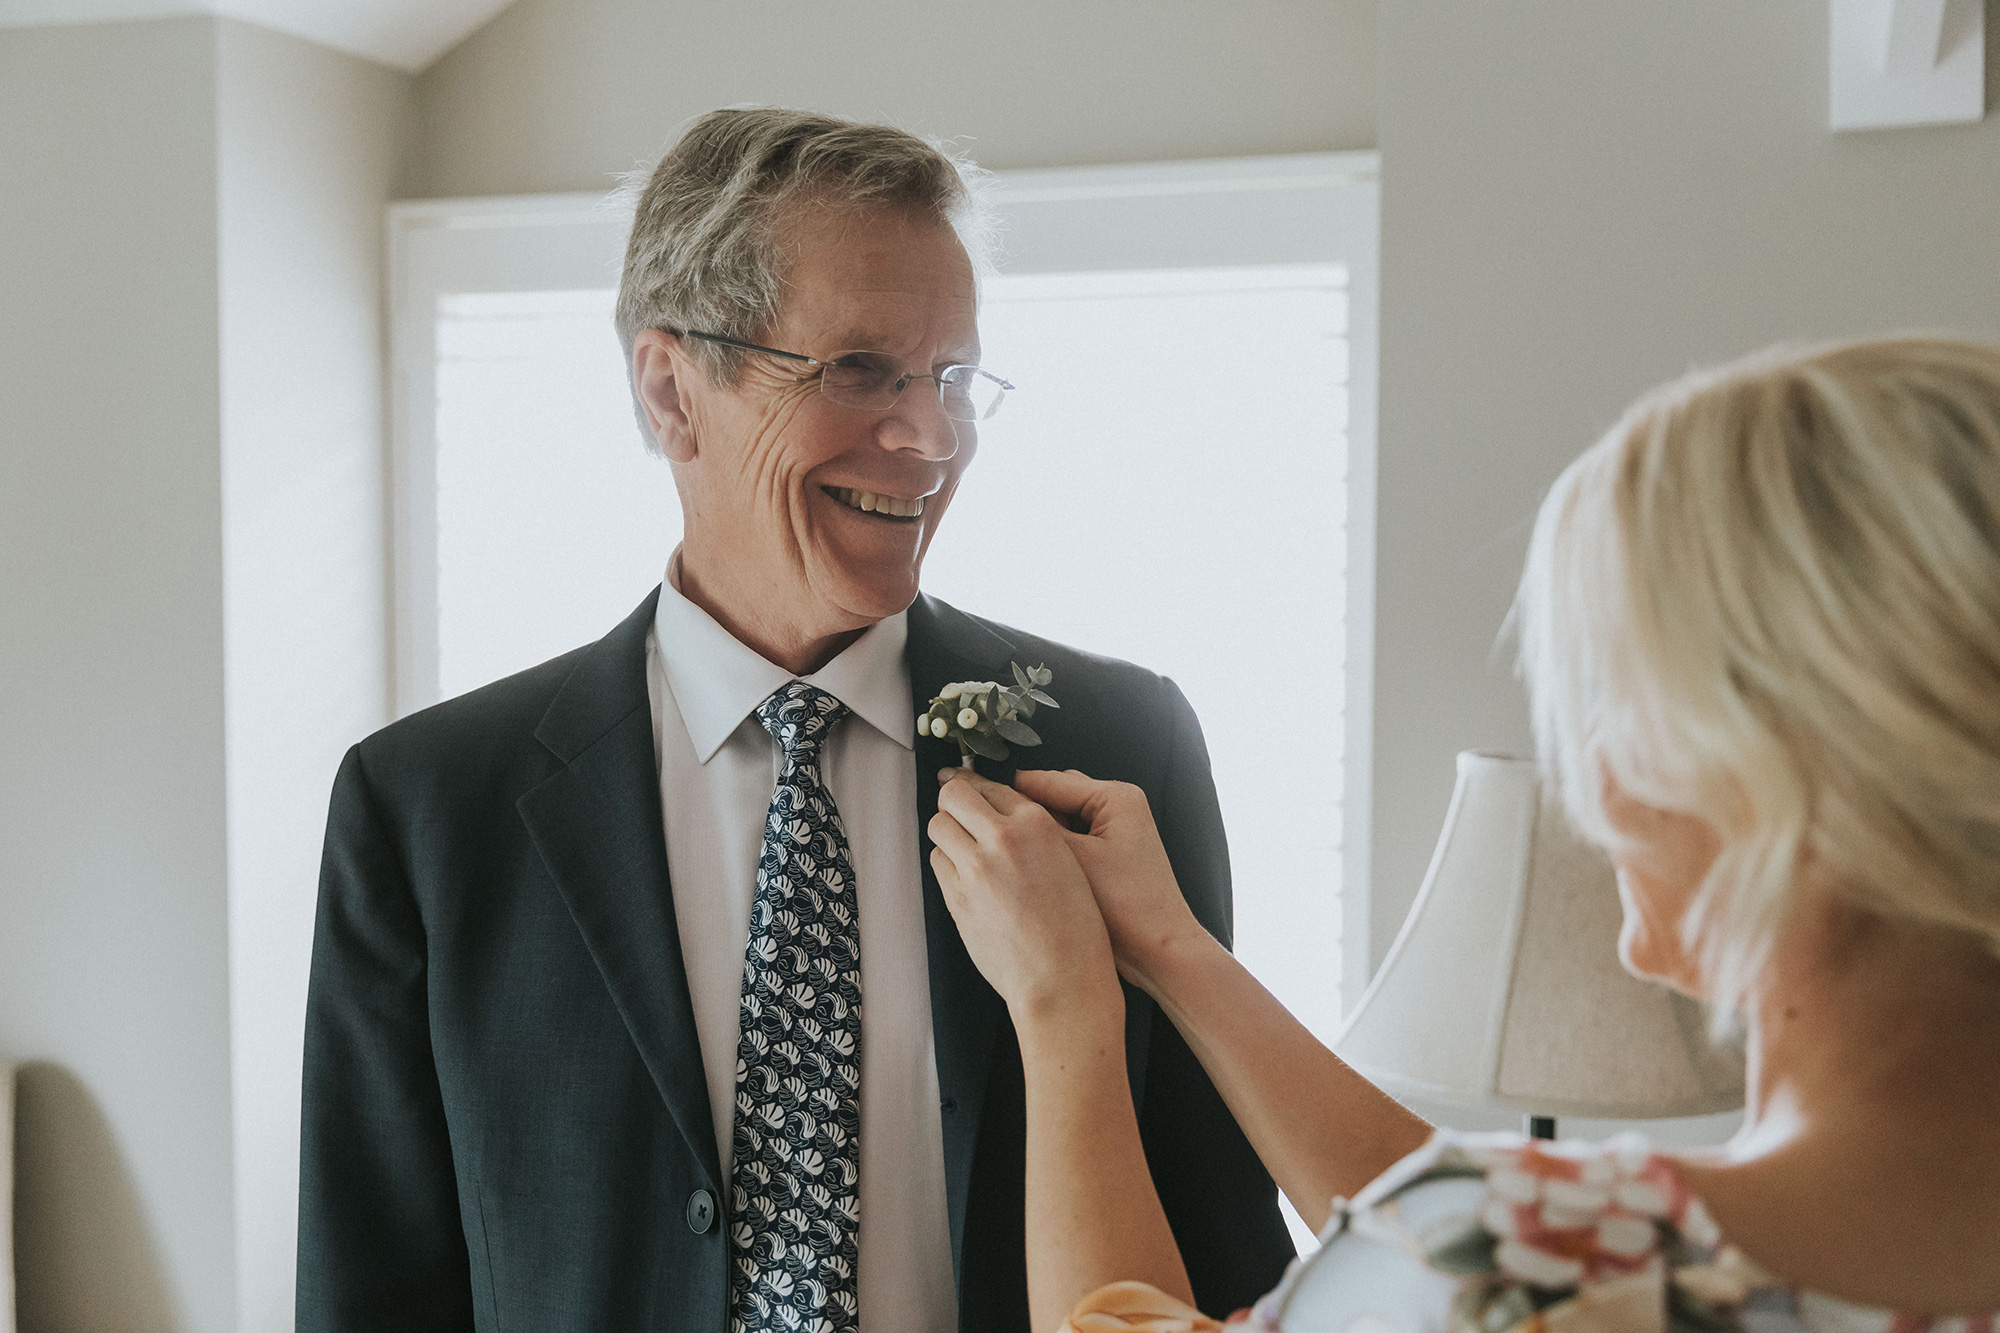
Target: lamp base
1539,1126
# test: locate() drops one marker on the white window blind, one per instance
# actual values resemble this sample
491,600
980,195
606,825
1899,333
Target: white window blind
552,518
1168,486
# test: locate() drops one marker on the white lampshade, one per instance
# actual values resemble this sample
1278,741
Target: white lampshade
1503,989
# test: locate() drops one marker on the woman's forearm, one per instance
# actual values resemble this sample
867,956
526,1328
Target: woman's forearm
1321,1129
1093,1214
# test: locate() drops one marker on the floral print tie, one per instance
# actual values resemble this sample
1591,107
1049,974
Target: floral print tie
795,1177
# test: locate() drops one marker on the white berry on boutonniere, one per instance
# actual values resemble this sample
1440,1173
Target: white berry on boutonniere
983,715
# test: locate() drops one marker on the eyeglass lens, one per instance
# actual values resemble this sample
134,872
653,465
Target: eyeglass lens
872,380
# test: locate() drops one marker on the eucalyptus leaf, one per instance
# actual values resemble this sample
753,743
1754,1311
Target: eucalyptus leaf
986,747
1020,676
1463,1250
1687,1314
1041,675
1512,1306
1041,698
1016,731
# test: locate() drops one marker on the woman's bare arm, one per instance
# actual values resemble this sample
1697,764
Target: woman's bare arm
1093,1214
1321,1129
1029,921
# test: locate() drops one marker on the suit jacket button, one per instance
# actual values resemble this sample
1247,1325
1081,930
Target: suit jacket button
701,1211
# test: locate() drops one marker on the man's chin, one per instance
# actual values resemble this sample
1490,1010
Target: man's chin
870,595
883,603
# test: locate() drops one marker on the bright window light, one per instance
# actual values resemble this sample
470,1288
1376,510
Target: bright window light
552,518
1168,486
1174,483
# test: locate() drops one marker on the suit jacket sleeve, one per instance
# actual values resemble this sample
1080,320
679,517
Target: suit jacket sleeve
1219,1200
381,1244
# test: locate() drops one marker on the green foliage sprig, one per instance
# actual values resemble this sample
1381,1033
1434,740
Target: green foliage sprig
984,715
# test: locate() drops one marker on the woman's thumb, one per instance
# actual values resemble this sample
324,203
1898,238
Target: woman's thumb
1062,793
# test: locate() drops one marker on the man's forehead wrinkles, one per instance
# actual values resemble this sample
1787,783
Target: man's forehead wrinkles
869,336
876,320
879,297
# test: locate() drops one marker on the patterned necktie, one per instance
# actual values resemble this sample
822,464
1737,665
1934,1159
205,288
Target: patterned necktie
796,1181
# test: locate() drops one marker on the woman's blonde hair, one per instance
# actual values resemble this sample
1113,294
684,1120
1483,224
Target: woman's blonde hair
1770,597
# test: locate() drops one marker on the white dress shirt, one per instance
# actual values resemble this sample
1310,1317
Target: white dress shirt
718,768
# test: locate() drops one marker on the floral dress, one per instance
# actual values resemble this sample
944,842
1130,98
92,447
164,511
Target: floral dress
1486,1233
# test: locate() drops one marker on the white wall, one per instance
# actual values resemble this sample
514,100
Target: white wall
1579,201
193,591
310,142
561,94
191,554
113,934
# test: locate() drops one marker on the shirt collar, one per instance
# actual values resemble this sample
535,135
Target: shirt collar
717,680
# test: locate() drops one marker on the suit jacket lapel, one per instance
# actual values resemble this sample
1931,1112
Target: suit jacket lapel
598,827
966,1012
946,645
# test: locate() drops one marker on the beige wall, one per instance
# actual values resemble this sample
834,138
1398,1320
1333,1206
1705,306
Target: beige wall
192,584
113,935
1579,201
310,143
563,94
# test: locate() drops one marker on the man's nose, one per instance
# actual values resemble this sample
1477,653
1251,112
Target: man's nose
917,424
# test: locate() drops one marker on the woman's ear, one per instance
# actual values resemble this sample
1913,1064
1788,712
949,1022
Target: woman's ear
1663,857
659,377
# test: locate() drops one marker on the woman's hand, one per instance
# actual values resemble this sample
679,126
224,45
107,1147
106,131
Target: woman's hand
1321,1129
1027,916
1022,903
1121,854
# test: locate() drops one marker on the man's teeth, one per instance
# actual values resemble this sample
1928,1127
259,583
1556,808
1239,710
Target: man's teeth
870,503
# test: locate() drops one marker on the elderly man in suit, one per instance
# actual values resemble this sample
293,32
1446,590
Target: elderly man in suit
634,1003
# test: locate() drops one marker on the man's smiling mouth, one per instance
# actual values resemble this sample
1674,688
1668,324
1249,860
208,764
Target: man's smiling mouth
882,506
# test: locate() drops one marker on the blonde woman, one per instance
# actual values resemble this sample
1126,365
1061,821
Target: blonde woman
1760,625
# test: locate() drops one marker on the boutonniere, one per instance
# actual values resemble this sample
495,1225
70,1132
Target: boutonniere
983,715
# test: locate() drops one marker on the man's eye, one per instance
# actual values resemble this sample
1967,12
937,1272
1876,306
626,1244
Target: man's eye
859,371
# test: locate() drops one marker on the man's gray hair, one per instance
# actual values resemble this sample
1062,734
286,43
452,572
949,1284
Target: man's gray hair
709,230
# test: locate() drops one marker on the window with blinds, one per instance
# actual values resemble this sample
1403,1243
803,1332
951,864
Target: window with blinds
1183,479
1166,485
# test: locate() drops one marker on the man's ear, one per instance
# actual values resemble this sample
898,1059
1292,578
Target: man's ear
659,378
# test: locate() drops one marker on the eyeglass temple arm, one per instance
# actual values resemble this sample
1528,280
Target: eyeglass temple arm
750,347
815,361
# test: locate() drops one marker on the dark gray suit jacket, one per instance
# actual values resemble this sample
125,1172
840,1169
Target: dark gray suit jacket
506,1120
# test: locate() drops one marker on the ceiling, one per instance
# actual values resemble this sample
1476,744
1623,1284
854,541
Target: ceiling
404,34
